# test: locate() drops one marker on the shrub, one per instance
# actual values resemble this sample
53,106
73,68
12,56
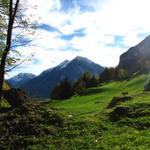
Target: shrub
15,97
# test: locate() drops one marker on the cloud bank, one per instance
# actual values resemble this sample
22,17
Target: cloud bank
100,30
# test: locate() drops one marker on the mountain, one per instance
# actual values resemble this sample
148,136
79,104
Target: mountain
137,58
20,79
42,85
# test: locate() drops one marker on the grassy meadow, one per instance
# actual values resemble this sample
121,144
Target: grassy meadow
83,122
94,100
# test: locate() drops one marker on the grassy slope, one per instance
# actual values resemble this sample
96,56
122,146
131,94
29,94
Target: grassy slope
100,131
37,126
95,99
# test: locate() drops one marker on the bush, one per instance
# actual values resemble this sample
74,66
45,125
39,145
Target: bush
15,97
117,100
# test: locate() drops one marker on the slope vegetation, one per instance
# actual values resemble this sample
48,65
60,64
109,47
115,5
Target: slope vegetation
95,99
88,123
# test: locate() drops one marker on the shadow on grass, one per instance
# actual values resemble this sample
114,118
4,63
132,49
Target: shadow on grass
92,91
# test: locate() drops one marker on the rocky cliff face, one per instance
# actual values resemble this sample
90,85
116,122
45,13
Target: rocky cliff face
137,58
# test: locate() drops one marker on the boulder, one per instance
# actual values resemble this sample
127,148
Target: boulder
118,99
118,112
121,111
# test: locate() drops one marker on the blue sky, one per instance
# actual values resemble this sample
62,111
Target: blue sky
100,30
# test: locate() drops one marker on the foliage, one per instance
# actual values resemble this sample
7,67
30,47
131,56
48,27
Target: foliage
15,97
62,90
36,125
113,74
117,100
29,124
96,99
4,102
23,25
65,90
108,74
11,16
121,74
87,80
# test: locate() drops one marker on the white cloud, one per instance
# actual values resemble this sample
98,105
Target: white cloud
111,18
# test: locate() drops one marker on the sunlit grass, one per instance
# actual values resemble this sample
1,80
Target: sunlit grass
96,99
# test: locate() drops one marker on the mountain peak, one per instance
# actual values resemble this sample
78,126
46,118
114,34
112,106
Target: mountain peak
20,79
137,58
42,85
82,59
23,75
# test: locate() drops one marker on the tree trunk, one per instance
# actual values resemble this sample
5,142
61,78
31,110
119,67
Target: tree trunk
1,83
2,71
12,15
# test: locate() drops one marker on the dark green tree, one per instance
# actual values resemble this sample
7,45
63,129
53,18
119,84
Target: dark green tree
62,91
79,86
121,74
108,74
113,74
87,80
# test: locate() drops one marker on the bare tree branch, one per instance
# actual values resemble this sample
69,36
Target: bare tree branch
24,60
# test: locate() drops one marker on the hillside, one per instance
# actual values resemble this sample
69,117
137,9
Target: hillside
42,85
20,79
91,125
137,58
95,99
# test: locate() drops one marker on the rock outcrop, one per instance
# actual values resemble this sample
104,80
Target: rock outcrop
137,59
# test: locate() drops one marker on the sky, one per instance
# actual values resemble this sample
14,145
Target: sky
100,30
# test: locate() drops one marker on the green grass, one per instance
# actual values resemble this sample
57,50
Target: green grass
100,132
92,125
96,99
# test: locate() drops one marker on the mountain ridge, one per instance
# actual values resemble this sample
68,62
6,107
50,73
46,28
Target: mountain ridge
42,85
21,78
137,58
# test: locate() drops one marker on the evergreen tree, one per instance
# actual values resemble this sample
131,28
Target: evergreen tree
108,74
79,86
113,74
87,80
121,74
62,90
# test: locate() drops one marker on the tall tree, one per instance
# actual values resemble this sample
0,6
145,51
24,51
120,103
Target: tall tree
62,91
11,16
